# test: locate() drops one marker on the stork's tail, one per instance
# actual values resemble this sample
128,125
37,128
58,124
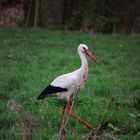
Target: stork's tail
51,91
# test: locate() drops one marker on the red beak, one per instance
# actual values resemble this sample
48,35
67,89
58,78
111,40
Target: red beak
87,52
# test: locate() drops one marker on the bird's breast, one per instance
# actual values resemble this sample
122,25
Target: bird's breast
82,78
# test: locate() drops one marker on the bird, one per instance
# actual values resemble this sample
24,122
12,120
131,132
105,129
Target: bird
67,85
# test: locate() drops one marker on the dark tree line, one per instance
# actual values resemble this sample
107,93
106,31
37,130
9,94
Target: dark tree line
105,16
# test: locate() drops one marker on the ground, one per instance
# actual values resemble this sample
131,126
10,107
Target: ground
110,101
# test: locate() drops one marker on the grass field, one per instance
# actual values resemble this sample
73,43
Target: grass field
29,60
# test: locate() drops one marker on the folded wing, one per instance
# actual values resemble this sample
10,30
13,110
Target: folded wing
60,84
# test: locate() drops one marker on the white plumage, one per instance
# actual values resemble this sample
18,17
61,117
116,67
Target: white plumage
65,86
75,80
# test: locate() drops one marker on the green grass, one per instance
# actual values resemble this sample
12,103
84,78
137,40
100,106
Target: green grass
29,60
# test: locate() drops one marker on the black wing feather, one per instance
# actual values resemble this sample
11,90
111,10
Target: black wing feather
50,90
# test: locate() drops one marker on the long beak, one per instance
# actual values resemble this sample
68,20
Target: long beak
87,52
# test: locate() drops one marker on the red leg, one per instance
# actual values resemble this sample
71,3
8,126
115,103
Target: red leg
62,118
74,116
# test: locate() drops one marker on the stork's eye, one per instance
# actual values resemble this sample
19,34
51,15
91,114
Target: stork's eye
84,48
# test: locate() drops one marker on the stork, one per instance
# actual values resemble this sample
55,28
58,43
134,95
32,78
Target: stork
67,85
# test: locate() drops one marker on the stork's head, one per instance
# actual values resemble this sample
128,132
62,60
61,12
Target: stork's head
84,49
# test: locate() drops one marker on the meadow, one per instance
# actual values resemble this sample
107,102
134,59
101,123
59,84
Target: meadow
110,101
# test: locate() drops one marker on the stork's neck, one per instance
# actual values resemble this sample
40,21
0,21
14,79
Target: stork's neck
84,63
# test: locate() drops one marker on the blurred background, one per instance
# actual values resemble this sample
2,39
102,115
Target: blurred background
103,16
38,41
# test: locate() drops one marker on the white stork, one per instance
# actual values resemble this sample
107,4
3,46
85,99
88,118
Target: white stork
65,86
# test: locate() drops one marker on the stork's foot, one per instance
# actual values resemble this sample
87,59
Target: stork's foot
92,135
92,128
62,134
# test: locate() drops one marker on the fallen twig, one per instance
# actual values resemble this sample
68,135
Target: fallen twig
92,135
